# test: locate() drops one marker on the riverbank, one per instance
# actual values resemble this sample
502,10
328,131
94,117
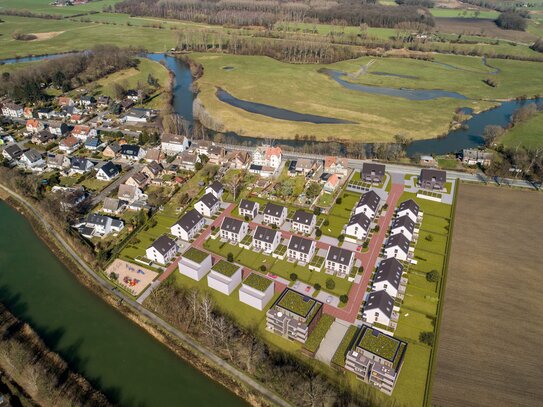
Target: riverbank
184,347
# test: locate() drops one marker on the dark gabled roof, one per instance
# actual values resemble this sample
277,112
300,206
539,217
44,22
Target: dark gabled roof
339,255
389,270
371,199
377,169
14,151
360,219
247,204
216,186
189,220
380,300
404,221
80,163
96,219
303,217
109,169
209,200
398,240
154,167
130,150
300,244
111,204
231,225
139,177
427,174
265,234
409,205
32,155
93,142
163,244
115,147
273,209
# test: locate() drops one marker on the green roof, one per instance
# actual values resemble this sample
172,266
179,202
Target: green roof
257,282
296,302
379,343
195,255
225,268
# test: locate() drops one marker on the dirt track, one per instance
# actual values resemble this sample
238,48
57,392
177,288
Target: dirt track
491,335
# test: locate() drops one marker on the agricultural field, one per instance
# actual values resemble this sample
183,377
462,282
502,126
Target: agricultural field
528,134
45,7
477,26
464,13
490,335
377,117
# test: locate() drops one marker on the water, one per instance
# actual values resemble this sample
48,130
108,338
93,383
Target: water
10,61
393,75
119,358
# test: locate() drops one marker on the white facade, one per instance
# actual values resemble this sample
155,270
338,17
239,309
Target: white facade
11,110
235,237
303,228
396,252
222,283
403,230
408,212
255,298
194,270
357,231
103,176
205,210
385,285
173,144
250,213
301,255
276,220
267,247
153,254
366,210
187,235
375,316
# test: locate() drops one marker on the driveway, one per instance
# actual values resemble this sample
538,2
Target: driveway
331,341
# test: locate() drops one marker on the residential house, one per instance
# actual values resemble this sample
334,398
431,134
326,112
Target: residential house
331,183
208,205
139,115
215,188
224,277
162,251
34,126
303,222
80,165
305,166
112,150
69,144
107,172
376,358
94,143
275,214
130,193
113,206
294,315
173,144
472,156
31,159
189,225
65,101
103,102
45,113
378,308
266,239
358,226
195,263
58,161
134,95
152,170
248,208
300,249
263,171
404,225
187,161
233,230
139,180
388,276
368,204
59,129
76,118
10,109
155,154
201,147
87,101
132,152
239,160
409,208
12,152
336,165
84,132
373,172
71,197
96,225
43,137
216,155
397,246
256,291
339,260
267,156
28,113
432,179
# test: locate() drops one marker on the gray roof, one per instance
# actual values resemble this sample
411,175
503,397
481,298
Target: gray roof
130,150
273,209
139,177
360,219
110,169
371,199
216,186
265,234
14,151
404,221
115,147
339,255
247,204
154,167
32,155
398,240
96,219
389,270
116,223
112,204
380,300
373,168
430,174
303,217
164,244
189,220
127,191
81,163
411,205
300,244
231,225
209,200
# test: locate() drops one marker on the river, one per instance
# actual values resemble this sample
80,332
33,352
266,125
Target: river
118,357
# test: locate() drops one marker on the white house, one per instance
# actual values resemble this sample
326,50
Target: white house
31,159
99,225
275,214
358,226
256,291
12,110
58,161
84,132
130,193
162,251
113,205
69,144
224,277
336,165
331,183
107,172
267,156
195,264
388,276
397,246
339,260
300,249
132,152
34,126
208,205
215,188
12,152
409,208
368,204
81,165
403,225
233,229
248,208
189,225
266,239
378,308
303,222
173,144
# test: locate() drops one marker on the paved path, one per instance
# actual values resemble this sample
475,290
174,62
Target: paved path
331,341
190,343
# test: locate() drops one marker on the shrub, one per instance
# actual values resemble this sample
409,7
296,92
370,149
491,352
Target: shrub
318,232
326,222
213,227
330,284
365,244
317,211
247,218
361,269
341,238
427,338
376,228
511,20
344,299
293,276
263,268
339,200
317,286
432,276
430,238
230,257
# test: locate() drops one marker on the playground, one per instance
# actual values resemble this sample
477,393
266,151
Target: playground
131,276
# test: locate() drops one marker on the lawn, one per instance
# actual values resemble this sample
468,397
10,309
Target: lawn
94,184
344,346
528,134
313,342
411,384
339,214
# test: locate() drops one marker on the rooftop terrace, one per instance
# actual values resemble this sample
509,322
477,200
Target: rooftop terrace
257,282
225,268
195,255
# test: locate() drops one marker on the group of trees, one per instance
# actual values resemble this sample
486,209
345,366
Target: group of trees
65,73
511,20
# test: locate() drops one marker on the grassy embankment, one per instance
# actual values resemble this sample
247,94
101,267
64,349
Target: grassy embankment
528,134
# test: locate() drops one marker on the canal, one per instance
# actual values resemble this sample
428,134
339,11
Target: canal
119,358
